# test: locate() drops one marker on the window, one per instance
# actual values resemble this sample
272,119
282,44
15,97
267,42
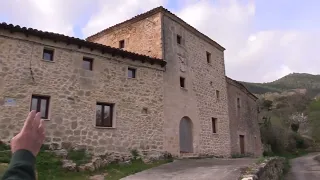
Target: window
238,102
182,82
87,63
218,95
208,57
40,104
131,73
104,115
179,39
121,44
47,54
214,125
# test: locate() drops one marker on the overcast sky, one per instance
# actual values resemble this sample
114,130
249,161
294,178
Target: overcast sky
264,39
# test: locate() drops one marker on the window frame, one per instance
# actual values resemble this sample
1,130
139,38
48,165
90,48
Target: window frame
179,39
122,44
39,98
88,59
183,82
208,56
48,50
134,70
214,125
105,124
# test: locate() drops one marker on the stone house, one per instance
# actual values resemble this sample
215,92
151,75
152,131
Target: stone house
152,83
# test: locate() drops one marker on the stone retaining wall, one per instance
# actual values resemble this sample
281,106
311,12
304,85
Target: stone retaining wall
268,169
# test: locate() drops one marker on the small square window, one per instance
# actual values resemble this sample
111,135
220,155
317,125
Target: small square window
131,73
121,44
40,104
48,54
214,125
179,39
208,57
104,115
218,95
87,63
182,82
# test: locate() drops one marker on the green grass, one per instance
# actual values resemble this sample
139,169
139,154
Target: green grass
79,156
49,167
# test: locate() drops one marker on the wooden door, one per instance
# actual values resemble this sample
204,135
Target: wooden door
185,134
241,144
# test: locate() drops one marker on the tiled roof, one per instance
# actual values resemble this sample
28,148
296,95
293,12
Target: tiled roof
150,13
82,43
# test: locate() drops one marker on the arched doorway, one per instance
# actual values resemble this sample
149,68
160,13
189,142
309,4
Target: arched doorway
185,135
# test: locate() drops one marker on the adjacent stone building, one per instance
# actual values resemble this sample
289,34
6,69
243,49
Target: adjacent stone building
159,82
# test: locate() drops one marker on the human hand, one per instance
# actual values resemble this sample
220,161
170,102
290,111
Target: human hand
31,136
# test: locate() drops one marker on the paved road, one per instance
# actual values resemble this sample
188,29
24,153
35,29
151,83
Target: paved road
191,169
304,168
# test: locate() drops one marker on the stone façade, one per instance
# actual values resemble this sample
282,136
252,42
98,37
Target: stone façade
74,91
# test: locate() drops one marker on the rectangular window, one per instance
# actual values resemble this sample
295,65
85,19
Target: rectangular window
218,95
179,39
131,73
87,63
214,125
238,102
48,54
121,44
208,57
40,104
182,82
104,114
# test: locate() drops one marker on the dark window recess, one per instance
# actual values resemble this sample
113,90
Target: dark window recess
238,102
214,125
208,57
40,104
121,44
87,63
179,39
218,95
104,115
48,54
131,73
182,82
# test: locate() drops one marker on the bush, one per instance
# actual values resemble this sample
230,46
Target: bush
79,156
135,154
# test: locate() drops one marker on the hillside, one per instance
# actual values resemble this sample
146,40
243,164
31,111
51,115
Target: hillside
292,81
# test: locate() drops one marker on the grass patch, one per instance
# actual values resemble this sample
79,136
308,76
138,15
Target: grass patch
4,146
79,156
116,171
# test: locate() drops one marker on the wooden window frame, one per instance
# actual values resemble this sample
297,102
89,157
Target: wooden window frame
39,98
208,55
122,44
105,124
179,39
87,59
134,70
48,50
214,125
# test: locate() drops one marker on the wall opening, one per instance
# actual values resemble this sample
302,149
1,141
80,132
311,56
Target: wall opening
185,135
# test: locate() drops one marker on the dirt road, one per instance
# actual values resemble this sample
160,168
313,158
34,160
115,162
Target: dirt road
200,169
304,168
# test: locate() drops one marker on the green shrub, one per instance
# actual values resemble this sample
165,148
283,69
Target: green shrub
5,156
79,156
135,154
4,146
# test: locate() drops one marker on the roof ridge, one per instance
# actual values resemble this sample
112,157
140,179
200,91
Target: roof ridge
80,42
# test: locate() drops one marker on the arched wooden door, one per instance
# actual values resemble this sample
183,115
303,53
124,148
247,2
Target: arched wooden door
185,135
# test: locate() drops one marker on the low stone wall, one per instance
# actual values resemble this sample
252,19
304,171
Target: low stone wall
267,169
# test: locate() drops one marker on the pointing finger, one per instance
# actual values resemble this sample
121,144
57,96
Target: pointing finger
29,121
36,121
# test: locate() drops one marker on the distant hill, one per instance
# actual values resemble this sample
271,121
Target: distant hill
292,81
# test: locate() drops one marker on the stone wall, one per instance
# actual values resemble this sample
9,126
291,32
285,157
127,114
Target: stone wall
140,36
197,100
268,169
243,120
74,92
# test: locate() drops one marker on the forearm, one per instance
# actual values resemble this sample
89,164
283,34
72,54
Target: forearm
21,166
